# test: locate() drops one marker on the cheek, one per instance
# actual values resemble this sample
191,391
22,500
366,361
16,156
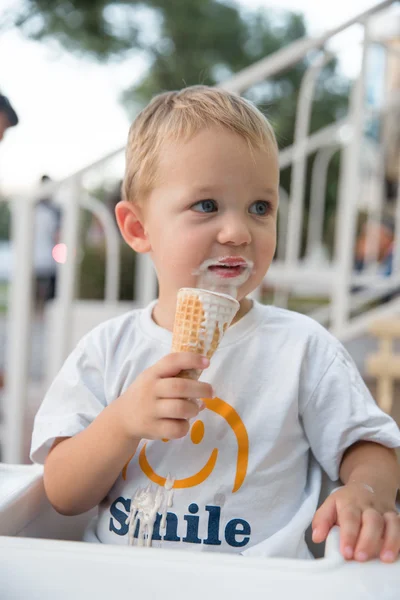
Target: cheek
266,245
177,249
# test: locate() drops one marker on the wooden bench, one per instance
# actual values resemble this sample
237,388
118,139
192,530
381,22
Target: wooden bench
385,364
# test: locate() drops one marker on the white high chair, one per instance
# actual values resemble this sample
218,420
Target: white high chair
41,558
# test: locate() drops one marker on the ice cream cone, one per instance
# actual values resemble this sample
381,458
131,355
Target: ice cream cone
201,319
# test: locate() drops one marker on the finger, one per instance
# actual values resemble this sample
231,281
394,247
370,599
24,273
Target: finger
173,429
370,538
182,388
176,409
391,538
349,520
324,520
172,364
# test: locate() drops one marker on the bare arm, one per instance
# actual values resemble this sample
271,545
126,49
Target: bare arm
80,471
373,465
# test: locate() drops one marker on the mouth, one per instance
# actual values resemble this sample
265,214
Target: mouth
228,267
225,274
227,271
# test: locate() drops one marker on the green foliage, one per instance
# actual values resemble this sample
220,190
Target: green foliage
81,26
5,221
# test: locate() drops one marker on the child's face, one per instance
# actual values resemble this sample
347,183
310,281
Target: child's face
214,198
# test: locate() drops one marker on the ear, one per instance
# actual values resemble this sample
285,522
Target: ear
130,222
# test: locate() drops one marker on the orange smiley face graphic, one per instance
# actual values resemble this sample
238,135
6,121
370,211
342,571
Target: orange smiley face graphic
230,415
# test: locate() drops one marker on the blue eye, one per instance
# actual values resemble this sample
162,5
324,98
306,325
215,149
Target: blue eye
260,208
205,206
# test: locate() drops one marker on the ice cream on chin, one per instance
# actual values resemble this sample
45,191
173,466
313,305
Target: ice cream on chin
201,319
224,275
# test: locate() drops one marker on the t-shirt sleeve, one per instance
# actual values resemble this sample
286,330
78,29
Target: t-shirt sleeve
73,401
341,411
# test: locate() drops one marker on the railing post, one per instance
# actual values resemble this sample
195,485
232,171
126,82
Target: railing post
69,197
349,188
112,245
315,229
299,168
19,329
145,280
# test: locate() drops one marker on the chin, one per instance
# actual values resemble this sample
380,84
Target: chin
242,294
248,287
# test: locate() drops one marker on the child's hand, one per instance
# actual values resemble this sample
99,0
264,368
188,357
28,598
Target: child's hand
158,404
369,525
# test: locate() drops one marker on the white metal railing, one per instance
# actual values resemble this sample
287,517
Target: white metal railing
343,136
299,163
319,179
113,248
291,55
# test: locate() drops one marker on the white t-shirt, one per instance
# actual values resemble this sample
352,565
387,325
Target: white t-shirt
246,481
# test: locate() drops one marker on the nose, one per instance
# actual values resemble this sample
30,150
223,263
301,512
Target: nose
234,231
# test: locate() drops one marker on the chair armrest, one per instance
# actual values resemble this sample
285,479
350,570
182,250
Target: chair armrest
25,510
22,496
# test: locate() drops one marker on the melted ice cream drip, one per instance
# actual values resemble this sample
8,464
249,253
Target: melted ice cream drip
168,500
145,505
210,283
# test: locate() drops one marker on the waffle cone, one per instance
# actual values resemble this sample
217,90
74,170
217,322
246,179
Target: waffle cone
201,319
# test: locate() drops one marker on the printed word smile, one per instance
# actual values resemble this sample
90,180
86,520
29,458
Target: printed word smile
237,531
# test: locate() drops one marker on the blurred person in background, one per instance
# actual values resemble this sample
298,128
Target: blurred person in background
8,116
47,228
384,232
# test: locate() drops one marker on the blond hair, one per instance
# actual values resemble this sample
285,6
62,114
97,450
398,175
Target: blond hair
179,115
